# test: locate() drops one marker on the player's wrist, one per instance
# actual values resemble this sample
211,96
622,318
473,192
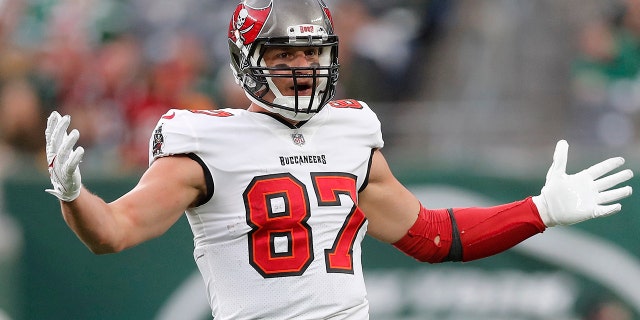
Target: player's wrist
65,192
543,210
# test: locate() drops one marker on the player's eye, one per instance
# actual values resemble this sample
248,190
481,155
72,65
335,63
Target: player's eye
278,55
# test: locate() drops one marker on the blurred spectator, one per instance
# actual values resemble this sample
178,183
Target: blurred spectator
21,113
111,77
21,127
116,66
384,40
10,13
170,83
606,87
227,92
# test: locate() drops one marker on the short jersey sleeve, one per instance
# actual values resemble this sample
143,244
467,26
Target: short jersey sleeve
356,118
376,128
173,135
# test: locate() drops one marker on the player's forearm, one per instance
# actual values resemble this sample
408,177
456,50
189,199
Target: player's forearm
92,220
465,234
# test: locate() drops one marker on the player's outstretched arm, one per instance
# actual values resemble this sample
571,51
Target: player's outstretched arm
465,234
166,189
567,199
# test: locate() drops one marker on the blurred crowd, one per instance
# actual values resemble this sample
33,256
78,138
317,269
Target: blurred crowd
606,77
117,65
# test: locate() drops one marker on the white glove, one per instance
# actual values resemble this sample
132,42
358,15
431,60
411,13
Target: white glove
63,160
568,199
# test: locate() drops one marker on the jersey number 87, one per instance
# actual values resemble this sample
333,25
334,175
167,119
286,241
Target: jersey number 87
277,210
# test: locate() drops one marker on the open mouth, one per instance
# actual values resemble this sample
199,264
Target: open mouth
303,89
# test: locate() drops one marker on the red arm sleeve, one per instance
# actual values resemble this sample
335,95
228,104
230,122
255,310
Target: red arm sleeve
465,234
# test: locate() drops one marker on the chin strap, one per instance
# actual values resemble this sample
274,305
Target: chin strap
465,234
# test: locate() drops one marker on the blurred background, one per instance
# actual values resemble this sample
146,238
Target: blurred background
472,95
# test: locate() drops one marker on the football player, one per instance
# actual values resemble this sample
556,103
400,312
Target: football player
279,196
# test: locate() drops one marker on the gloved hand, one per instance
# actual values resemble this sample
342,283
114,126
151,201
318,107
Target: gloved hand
63,160
568,199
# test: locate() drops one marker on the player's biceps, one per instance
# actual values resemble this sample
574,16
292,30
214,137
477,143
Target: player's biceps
147,212
391,211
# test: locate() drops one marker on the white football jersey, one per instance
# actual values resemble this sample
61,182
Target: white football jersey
279,235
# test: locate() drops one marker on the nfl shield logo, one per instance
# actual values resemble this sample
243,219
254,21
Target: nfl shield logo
297,138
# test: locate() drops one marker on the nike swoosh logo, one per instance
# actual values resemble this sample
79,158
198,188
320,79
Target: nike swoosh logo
169,116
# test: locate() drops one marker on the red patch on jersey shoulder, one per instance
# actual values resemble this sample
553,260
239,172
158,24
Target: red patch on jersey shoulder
346,103
169,115
213,113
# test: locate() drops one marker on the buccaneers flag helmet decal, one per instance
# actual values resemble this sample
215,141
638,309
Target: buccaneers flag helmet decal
247,23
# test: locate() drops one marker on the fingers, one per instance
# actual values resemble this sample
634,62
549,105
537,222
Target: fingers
602,168
59,133
60,144
54,192
68,141
559,165
614,195
613,180
602,211
55,133
52,121
74,160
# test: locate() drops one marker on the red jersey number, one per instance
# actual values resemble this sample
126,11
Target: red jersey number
277,212
328,187
281,241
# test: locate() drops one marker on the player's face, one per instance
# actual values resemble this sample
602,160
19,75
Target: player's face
292,57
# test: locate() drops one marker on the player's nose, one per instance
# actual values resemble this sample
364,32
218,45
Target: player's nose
300,59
